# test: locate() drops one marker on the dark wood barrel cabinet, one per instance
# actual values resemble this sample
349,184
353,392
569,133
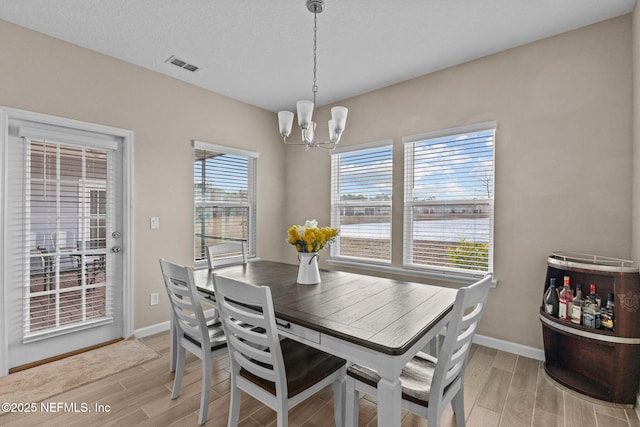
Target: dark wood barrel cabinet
595,362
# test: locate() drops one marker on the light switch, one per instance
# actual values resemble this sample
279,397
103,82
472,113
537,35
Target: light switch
155,222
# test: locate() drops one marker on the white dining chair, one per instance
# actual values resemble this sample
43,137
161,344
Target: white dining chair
228,253
279,373
429,384
38,263
63,241
218,255
207,341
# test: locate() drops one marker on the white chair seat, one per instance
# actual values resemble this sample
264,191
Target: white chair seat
305,367
416,377
216,336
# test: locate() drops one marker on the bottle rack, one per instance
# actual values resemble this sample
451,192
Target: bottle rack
596,362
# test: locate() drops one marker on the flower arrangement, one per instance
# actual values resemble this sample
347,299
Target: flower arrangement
310,238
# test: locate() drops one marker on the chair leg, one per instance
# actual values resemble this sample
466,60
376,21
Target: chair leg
179,371
206,386
234,403
283,414
339,395
433,414
352,402
173,344
458,407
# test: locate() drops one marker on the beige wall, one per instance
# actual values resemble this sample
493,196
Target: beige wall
563,156
46,75
563,150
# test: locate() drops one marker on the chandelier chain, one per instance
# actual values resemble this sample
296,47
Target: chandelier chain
314,88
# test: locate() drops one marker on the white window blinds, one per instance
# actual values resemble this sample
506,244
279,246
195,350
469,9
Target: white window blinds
448,212
361,193
66,190
224,197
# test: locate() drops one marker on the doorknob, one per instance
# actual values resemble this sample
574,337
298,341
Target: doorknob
116,249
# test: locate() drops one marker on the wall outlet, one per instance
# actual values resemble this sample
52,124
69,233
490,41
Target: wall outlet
155,222
153,299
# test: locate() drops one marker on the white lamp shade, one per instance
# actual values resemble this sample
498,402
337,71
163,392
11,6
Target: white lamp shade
305,112
332,130
309,133
285,121
339,116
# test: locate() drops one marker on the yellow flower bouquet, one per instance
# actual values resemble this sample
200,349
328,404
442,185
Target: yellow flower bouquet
310,238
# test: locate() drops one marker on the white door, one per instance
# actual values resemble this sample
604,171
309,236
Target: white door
65,231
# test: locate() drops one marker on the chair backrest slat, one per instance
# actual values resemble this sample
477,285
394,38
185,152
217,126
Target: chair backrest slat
230,253
253,316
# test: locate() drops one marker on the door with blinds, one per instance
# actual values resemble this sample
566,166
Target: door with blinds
65,240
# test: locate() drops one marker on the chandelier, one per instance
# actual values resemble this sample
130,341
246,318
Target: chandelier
305,107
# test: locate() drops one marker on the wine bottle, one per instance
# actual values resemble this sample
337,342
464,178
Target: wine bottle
550,302
576,306
566,296
592,292
607,314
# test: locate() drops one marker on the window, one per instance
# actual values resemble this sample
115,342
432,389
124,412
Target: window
448,201
224,184
361,191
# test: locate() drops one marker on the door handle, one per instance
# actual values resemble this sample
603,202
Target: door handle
116,249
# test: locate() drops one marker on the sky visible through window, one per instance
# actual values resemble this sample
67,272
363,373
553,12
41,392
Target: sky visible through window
364,177
227,173
454,168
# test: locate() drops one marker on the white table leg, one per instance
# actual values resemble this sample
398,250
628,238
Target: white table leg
389,402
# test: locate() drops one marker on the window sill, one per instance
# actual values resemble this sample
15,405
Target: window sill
452,277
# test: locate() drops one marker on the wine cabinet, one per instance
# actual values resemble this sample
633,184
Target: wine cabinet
598,363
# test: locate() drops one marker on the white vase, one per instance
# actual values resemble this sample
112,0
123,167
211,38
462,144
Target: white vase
308,273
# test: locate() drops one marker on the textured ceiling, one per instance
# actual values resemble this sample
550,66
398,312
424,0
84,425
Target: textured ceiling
260,52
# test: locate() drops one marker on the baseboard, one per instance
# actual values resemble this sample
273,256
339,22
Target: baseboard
163,326
509,347
151,330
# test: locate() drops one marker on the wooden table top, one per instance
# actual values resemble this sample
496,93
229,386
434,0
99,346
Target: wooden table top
385,315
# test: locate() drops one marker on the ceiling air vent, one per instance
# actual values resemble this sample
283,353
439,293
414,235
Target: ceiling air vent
182,64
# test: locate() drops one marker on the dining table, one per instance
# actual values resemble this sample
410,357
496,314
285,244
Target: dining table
376,322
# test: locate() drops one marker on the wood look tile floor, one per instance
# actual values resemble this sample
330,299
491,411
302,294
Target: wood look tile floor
501,389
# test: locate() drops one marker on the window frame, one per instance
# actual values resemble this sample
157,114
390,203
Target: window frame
250,204
448,273
336,203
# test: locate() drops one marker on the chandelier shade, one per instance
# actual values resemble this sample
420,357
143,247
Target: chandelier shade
304,108
305,113
285,120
